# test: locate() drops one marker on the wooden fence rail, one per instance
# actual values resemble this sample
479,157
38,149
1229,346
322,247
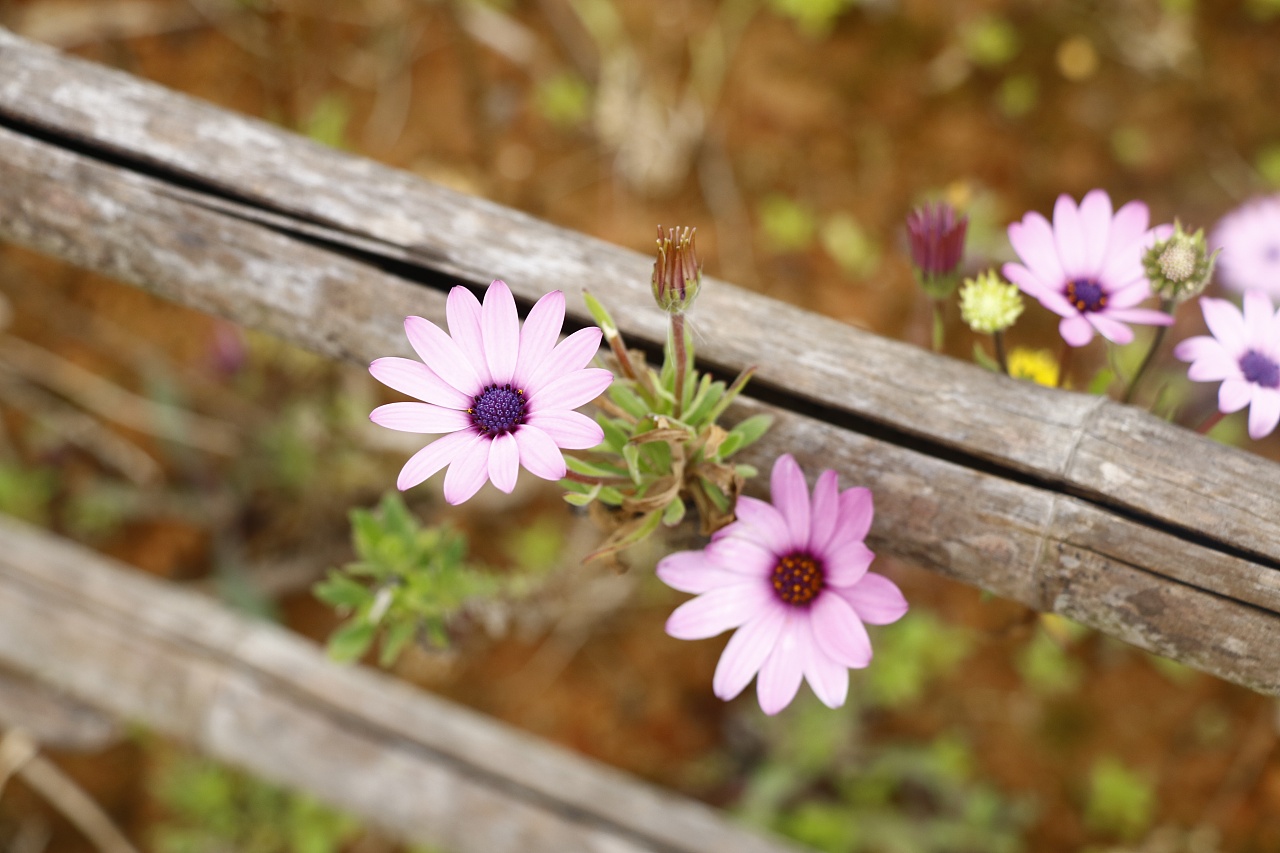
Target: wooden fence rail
1065,502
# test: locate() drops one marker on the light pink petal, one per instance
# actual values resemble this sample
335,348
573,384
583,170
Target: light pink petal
538,335
782,671
876,599
433,457
539,453
829,680
500,329
825,511
746,651
1128,232
468,471
743,555
1225,322
419,417
1264,412
1031,285
1234,394
442,355
1196,348
1110,328
764,524
857,509
569,430
1076,331
846,565
791,497
1033,240
691,571
1141,316
1095,220
571,390
1212,364
572,354
1068,233
1129,295
839,631
462,310
417,380
504,462
719,609
1258,315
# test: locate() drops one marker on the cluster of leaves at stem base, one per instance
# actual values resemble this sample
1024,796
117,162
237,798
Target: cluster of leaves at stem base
661,453
408,582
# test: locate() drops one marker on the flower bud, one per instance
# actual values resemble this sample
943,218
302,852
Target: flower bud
936,238
1180,266
989,304
677,275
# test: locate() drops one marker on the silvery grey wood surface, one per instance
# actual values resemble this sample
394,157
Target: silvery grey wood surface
1064,502
247,692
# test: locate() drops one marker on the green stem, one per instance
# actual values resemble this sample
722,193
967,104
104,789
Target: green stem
1167,306
682,358
939,328
1064,363
1210,422
998,339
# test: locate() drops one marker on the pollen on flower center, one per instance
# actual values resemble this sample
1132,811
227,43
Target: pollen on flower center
1086,294
797,579
1260,369
498,409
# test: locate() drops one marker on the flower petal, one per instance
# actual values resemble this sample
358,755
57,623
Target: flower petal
1234,394
1110,328
829,679
746,652
782,671
1258,314
1095,220
442,355
876,599
417,380
719,609
762,523
504,462
1034,287
825,511
568,429
848,564
1032,239
1225,322
791,497
462,310
433,457
539,453
419,417
1076,331
1210,362
839,631
1141,316
857,509
573,353
571,390
1264,412
1128,230
691,571
742,555
500,330
538,335
1069,236
468,471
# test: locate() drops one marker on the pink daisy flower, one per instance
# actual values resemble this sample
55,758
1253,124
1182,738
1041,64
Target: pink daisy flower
502,395
1243,354
792,578
1249,237
1087,266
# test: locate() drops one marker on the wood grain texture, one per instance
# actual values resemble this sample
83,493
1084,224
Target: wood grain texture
258,696
1013,538
1114,455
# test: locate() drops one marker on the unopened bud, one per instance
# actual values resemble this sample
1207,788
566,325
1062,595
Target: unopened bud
935,234
677,275
989,304
1179,267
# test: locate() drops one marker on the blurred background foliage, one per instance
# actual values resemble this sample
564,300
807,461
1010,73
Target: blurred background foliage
795,134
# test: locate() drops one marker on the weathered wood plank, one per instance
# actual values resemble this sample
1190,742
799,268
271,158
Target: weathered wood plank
1012,538
260,697
1112,454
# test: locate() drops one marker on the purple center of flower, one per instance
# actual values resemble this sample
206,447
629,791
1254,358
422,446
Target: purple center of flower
497,410
1086,294
797,579
1272,254
1260,369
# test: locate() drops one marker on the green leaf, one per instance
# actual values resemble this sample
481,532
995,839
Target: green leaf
674,513
351,641
628,400
611,496
719,498
600,315
631,453
981,358
338,590
394,641
593,469
1101,381
583,498
747,432
614,434
746,472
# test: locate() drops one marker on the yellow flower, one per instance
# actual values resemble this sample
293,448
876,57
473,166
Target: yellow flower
1037,365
